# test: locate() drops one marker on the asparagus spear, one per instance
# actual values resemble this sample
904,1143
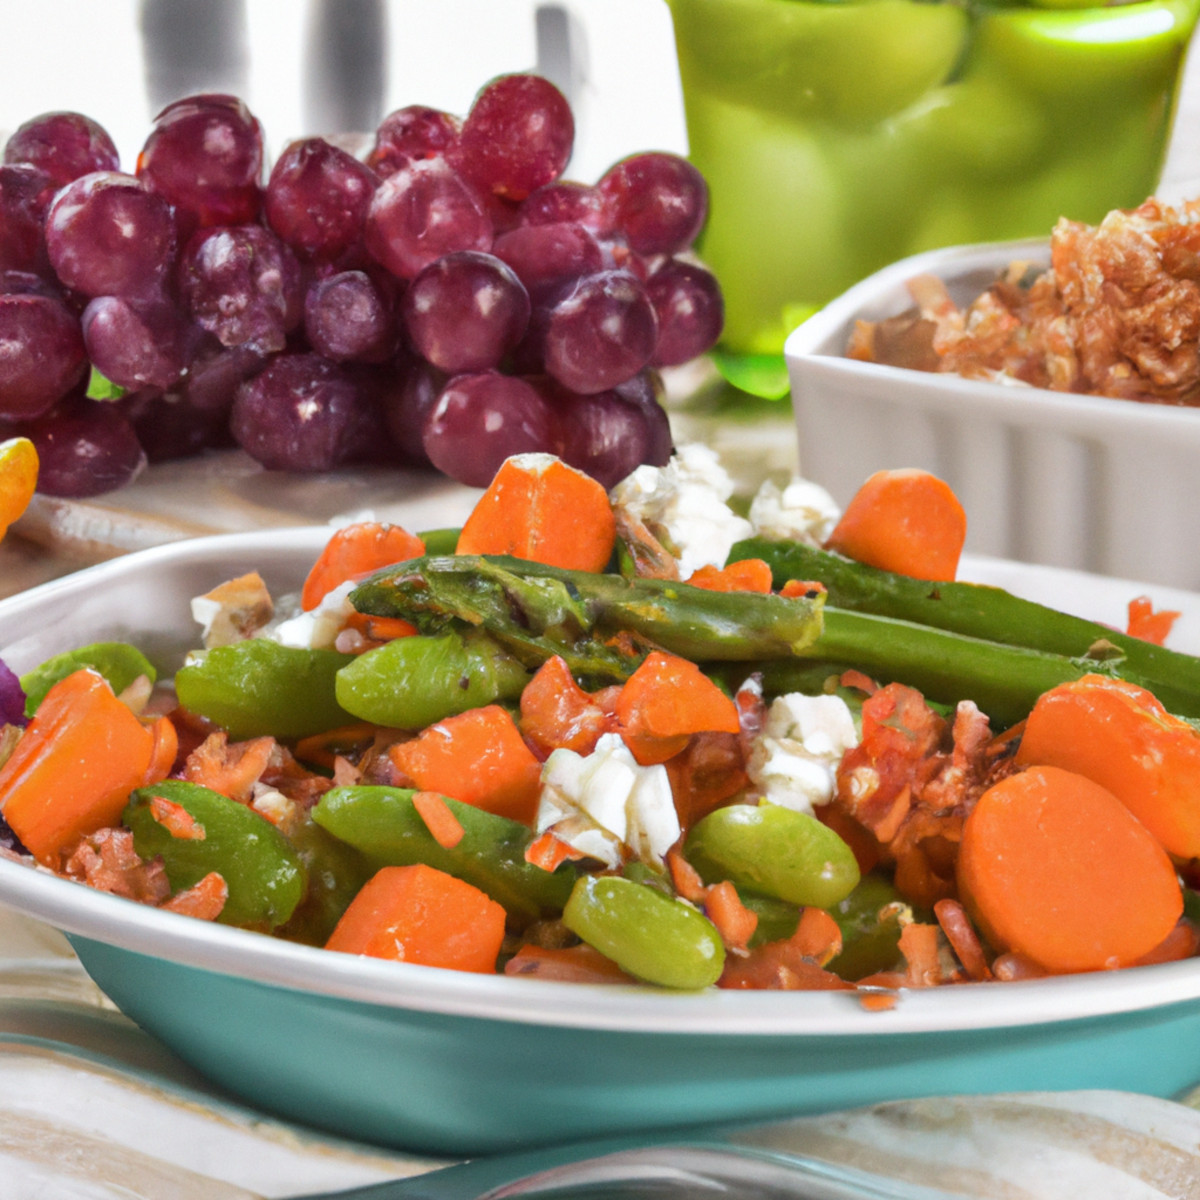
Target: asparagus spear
978,611
539,611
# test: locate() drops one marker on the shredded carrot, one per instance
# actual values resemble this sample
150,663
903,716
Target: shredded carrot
204,899
745,575
1056,868
817,935
355,552
734,921
854,678
684,877
74,766
478,757
324,749
802,589
538,508
418,914
1148,624
550,852
664,702
443,825
176,819
380,629
907,521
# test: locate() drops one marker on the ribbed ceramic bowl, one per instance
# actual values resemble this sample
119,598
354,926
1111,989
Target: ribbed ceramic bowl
1102,485
450,1063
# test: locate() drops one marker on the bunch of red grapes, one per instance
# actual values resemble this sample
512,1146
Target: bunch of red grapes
448,301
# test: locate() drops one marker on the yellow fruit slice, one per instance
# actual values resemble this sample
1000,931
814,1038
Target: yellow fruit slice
18,478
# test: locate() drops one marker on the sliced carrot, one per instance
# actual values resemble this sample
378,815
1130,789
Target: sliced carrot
418,914
556,713
565,964
745,575
907,521
664,702
1121,737
1056,868
73,769
1147,623
443,825
478,757
540,509
354,552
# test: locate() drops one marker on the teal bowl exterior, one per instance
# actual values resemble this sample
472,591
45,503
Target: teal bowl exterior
454,1085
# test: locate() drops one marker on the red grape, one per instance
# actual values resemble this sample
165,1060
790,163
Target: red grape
135,345
410,391
347,319
479,420
545,256
567,201
85,448
215,372
65,145
317,199
41,354
25,194
517,137
410,134
421,212
603,333
659,201
645,392
107,234
465,311
601,434
301,413
205,157
242,284
170,426
687,301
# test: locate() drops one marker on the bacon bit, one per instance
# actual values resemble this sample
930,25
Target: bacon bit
709,770
734,921
745,575
963,939
107,861
817,935
802,589
205,899
549,852
444,827
684,877
1182,942
345,773
569,964
919,945
232,770
1013,967
176,819
1149,625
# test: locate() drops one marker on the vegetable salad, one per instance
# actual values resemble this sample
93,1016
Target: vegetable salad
637,737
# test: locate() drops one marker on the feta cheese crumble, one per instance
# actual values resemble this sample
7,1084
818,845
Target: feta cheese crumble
317,629
604,804
687,500
794,761
802,511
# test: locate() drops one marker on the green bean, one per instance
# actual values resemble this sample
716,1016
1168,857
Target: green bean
651,936
263,872
774,850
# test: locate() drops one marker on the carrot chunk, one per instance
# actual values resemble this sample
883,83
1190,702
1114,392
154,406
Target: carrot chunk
907,521
556,713
74,766
664,702
1148,623
540,509
1121,737
1054,868
478,757
418,914
356,551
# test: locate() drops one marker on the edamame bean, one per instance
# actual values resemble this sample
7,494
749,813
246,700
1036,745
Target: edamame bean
773,850
869,919
651,936
261,869
119,663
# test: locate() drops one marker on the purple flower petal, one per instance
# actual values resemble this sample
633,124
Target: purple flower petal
12,697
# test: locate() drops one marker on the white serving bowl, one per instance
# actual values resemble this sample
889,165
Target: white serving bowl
1087,482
